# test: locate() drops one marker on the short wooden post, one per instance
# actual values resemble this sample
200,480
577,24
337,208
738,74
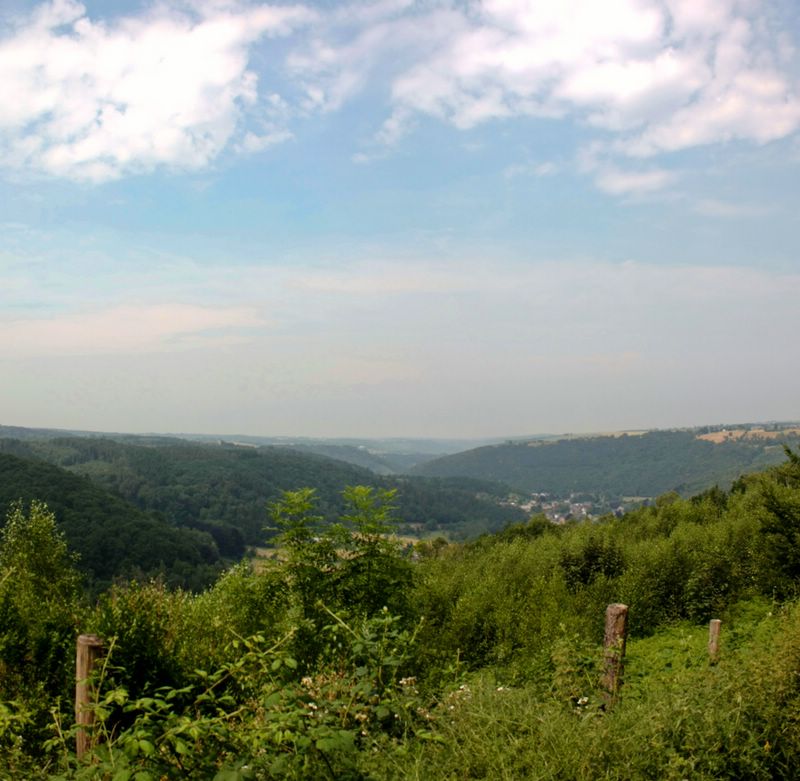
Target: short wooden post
89,650
614,650
713,640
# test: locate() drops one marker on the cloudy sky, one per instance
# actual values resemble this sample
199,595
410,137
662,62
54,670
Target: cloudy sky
432,218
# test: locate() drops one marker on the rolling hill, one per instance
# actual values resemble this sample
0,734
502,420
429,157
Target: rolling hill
635,465
224,489
112,537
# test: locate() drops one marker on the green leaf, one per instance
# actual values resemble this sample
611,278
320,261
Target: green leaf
147,748
273,700
230,774
181,747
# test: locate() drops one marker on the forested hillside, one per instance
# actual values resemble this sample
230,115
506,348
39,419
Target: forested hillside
646,464
346,658
224,489
111,536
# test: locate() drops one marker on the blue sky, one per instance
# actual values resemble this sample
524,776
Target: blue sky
399,218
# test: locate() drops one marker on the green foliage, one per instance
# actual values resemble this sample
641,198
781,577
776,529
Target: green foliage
593,558
39,608
144,621
780,496
532,528
678,717
39,593
240,604
352,566
255,717
375,573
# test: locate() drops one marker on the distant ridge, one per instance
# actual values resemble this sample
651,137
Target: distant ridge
642,464
384,456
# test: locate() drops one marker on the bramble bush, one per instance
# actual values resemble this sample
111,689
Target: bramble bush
257,716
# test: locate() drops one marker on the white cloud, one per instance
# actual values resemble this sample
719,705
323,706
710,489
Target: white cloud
177,84
96,100
618,182
255,143
655,76
713,207
125,329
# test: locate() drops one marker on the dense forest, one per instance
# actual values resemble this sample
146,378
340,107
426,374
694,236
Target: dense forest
646,464
350,656
112,537
184,509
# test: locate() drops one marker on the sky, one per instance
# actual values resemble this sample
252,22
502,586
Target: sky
439,218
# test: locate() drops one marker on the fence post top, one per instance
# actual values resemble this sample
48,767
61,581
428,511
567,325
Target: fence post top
89,640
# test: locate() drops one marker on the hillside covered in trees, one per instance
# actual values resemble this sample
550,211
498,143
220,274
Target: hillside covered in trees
112,537
347,658
643,464
217,494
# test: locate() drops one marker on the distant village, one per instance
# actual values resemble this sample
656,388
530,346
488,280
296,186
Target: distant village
575,507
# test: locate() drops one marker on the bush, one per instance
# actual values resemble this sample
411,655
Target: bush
39,614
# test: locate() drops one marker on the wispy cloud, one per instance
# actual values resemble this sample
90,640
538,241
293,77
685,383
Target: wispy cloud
126,329
481,345
712,207
612,180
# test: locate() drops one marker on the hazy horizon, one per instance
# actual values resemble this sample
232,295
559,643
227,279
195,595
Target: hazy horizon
401,438
399,219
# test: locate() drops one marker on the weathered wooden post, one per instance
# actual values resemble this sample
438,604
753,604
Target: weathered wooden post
89,650
614,650
713,640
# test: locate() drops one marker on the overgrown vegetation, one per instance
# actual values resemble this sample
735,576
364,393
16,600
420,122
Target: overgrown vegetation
349,656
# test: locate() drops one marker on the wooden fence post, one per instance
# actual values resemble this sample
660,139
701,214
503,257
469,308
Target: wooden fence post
89,650
713,640
614,650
